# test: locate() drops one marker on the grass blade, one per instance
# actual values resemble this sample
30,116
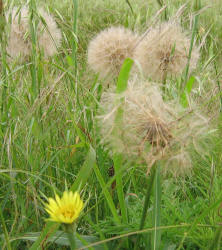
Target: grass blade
156,236
146,203
85,170
74,42
217,239
106,194
119,186
5,230
194,32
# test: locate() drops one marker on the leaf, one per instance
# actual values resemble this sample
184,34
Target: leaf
85,170
187,91
117,159
124,75
60,238
48,231
106,194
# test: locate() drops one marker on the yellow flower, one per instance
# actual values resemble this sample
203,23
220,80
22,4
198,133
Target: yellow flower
66,209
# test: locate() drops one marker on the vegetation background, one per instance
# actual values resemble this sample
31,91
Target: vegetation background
50,142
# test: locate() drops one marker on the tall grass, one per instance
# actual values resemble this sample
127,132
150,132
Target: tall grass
49,140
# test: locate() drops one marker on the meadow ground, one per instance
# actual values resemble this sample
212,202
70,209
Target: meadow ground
50,140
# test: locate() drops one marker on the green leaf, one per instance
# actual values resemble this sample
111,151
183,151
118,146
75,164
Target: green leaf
124,75
85,170
106,194
187,91
48,231
61,238
117,159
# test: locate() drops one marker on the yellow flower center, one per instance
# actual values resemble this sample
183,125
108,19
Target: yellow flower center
67,212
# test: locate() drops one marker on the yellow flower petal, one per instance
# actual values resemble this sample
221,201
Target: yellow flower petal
65,209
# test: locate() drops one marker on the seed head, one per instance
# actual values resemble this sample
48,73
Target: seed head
150,128
108,50
19,41
164,51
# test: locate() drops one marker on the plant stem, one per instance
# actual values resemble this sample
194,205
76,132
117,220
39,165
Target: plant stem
7,240
70,231
74,44
3,53
119,185
161,3
147,201
194,31
32,29
148,195
217,239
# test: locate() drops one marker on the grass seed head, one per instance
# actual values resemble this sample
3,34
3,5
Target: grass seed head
108,50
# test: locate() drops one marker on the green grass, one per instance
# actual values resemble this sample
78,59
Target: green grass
49,140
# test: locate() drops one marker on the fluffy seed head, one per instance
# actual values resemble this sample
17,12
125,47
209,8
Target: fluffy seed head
164,51
150,127
19,41
108,50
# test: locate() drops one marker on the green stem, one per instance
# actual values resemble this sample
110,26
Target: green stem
7,240
148,195
70,231
119,185
147,202
74,44
217,240
32,30
218,84
72,241
161,3
118,162
3,53
194,32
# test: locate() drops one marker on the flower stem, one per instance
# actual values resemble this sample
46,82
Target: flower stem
70,231
146,203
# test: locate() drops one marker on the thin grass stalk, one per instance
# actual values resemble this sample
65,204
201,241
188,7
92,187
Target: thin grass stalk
130,6
147,202
156,235
161,3
119,186
32,28
217,240
74,43
218,84
107,194
194,31
96,227
144,231
5,231
3,55
2,19
182,241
